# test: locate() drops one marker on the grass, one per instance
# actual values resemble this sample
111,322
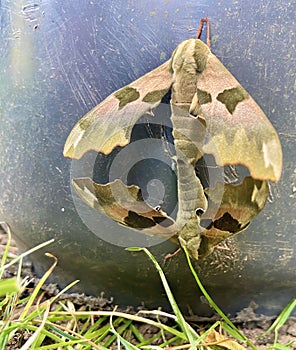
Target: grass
34,322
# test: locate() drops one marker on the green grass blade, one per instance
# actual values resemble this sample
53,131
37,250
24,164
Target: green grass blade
187,330
137,334
8,286
127,345
281,347
21,256
282,318
38,287
29,343
233,332
63,291
71,329
7,247
234,329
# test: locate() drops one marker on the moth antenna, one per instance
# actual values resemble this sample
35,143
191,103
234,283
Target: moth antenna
200,28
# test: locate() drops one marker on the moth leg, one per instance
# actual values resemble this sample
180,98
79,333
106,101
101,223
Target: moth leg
200,28
222,248
171,255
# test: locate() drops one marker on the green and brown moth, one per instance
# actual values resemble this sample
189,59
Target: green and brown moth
211,113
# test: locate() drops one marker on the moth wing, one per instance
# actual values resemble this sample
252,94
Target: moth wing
125,205
238,130
110,123
239,205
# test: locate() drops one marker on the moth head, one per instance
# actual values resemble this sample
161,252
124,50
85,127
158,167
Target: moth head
191,54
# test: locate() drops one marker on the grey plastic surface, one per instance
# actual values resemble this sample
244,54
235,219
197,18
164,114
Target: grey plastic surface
58,60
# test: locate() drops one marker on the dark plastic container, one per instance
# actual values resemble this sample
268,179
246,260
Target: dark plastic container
57,61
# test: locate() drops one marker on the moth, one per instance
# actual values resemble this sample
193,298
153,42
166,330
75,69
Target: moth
211,114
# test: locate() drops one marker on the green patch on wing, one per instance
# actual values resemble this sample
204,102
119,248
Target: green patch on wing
227,223
231,97
203,96
125,205
110,123
126,95
134,220
154,96
240,204
86,121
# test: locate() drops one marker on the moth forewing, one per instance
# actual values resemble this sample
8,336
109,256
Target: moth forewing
110,123
238,130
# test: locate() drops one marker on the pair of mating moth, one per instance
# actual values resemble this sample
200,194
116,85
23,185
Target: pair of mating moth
211,113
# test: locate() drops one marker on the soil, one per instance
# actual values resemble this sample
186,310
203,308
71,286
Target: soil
251,324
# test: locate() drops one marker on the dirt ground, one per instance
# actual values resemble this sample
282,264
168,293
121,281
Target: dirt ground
251,324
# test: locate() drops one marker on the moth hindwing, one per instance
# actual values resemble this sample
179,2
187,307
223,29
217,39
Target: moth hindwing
211,114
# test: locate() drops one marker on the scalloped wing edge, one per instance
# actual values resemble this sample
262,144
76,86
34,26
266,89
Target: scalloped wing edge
125,205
